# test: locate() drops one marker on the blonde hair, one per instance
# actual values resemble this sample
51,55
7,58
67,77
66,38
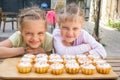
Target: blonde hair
31,13
71,12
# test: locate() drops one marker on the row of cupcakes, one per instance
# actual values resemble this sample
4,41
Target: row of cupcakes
71,65
62,59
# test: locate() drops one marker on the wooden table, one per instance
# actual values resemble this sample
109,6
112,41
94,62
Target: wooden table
113,61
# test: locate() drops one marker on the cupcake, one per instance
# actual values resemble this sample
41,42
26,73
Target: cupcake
41,58
31,56
69,60
26,59
84,61
98,61
94,56
67,57
103,68
87,69
57,68
72,68
37,59
81,56
54,56
41,67
56,60
24,67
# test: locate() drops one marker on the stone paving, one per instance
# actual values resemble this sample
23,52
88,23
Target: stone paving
110,37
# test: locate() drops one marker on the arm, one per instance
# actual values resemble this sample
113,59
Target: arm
6,49
97,48
61,49
36,51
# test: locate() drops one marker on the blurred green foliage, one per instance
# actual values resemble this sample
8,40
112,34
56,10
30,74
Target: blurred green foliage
114,24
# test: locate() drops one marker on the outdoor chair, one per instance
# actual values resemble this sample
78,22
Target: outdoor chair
8,17
0,17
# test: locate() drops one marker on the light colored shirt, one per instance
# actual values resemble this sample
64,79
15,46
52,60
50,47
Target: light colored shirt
79,46
17,41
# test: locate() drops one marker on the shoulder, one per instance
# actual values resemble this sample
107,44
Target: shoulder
16,38
47,44
17,34
48,35
84,33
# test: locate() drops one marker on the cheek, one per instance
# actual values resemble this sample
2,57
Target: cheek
77,33
42,38
63,33
26,39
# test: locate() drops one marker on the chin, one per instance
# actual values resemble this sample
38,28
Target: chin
69,40
34,47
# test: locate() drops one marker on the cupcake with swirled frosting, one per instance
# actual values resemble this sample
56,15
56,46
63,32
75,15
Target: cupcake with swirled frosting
41,67
98,61
103,68
88,69
81,56
51,56
57,68
24,67
55,58
85,61
26,59
94,56
72,67
31,56
41,58
67,57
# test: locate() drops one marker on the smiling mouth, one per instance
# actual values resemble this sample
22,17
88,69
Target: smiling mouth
31,42
69,37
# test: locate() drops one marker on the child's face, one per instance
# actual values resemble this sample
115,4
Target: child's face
70,30
33,32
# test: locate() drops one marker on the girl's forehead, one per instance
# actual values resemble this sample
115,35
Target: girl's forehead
33,24
71,23
33,21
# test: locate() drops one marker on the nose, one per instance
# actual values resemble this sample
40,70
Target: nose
70,32
35,37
